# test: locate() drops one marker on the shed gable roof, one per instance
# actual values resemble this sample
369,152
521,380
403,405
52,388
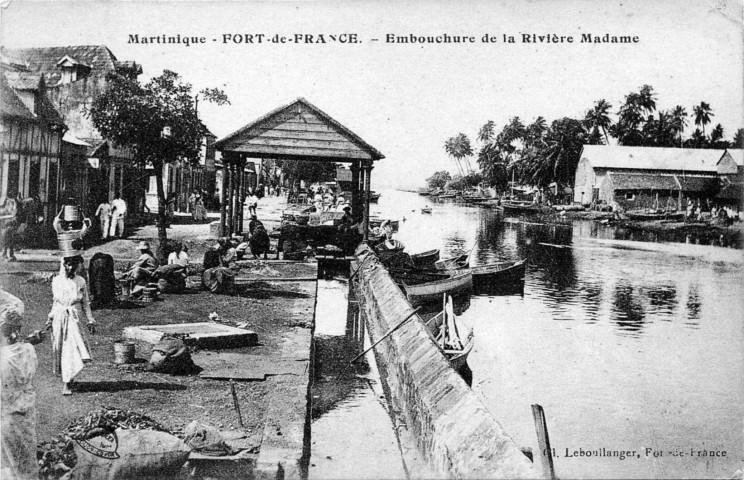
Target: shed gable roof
652,158
737,155
298,130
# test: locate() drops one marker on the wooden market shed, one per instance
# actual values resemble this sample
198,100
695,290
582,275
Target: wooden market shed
298,131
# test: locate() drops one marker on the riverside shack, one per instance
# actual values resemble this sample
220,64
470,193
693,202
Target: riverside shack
297,131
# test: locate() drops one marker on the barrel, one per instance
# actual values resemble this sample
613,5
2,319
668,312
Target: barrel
71,213
123,352
65,240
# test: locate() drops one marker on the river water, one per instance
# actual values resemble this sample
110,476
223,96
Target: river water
628,345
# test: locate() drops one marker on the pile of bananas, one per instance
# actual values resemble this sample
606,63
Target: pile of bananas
106,420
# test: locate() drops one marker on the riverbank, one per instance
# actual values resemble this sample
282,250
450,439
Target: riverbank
273,403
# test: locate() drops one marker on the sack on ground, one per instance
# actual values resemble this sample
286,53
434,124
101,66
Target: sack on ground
171,356
129,454
206,440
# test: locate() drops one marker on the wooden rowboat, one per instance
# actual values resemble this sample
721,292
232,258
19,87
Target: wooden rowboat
425,260
453,263
429,290
456,349
499,273
426,210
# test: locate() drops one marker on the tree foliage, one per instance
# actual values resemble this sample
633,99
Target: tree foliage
439,179
308,171
135,116
538,155
459,148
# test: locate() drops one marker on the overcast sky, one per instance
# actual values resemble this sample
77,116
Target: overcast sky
406,100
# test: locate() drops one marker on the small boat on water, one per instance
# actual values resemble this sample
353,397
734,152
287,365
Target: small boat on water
426,210
423,288
375,222
374,197
453,337
453,263
649,216
425,260
520,207
499,273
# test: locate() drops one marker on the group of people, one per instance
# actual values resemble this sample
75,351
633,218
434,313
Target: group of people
196,204
697,210
325,200
111,217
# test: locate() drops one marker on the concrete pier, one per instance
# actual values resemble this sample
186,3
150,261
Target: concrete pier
453,430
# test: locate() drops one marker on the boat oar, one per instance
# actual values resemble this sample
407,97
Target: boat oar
408,317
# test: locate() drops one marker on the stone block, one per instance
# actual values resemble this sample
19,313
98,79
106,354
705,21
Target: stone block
201,334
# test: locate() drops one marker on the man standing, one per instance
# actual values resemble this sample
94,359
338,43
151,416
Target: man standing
104,217
119,209
252,201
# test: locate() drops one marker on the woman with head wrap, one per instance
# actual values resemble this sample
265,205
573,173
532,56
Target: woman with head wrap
71,305
17,397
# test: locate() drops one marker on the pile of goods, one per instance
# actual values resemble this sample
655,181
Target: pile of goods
106,420
59,456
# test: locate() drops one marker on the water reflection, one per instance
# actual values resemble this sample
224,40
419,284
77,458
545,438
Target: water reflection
627,327
693,305
629,314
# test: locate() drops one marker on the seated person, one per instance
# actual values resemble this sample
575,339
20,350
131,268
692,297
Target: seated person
348,234
180,256
217,276
141,273
260,243
253,224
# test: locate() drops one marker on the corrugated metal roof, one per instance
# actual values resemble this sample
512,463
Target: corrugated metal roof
642,181
652,158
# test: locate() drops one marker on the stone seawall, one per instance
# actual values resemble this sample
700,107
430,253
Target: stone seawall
457,435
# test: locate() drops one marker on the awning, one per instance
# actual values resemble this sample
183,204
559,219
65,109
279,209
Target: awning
72,139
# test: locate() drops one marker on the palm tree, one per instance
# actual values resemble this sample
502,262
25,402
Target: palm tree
458,147
485,134
678,121
646,100
702,113
598,118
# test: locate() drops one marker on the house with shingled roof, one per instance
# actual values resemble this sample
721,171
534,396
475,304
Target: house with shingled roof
642,178
30,139
91,170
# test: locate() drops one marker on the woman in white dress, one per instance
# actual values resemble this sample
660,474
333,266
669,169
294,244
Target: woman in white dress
71,305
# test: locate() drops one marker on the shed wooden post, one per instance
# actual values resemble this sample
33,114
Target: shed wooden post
367,197
356,190
230,199
223,197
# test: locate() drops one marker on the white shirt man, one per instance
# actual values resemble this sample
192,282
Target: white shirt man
119,209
